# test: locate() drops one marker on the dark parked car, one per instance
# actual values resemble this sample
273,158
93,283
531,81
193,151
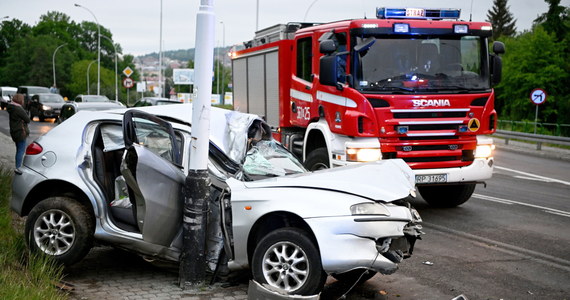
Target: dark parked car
152,101
45,105
28,91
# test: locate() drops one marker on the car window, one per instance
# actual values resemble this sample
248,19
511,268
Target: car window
53,98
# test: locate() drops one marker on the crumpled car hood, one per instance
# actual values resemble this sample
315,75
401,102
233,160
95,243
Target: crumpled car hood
386,180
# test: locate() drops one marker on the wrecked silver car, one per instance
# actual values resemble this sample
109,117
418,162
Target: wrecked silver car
117,180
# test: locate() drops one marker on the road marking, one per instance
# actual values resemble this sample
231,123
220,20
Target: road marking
510,202
490,244
537,177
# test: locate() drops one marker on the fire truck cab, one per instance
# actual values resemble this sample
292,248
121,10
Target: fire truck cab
412,84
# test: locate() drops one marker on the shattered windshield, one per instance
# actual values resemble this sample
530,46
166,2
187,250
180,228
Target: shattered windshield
440,64
267,158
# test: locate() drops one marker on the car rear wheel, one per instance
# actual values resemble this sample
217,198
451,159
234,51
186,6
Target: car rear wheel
288,259
447,195
61,228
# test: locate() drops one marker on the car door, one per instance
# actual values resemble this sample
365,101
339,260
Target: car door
152,171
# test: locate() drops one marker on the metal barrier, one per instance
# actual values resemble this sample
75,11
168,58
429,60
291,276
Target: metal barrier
528,126
538,138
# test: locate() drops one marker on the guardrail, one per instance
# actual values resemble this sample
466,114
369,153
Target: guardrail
537,138
528,126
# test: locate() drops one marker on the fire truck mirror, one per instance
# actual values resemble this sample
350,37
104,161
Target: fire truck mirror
498,48
328,70
365,45
496,69
327,47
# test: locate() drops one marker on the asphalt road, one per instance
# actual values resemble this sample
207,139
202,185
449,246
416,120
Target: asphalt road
510,241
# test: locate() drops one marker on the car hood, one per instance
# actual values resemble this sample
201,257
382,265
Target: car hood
386,180
54,105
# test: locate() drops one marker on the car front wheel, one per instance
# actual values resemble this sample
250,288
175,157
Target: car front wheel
288,259
61,228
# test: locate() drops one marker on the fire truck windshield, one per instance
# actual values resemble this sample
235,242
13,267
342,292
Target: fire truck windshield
423,65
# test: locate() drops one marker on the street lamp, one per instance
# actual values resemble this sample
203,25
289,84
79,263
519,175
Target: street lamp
88,68
53,62
98,48
223,59
116,80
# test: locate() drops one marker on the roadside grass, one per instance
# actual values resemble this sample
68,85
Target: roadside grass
23,275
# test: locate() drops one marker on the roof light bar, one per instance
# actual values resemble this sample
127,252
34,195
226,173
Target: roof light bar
417,13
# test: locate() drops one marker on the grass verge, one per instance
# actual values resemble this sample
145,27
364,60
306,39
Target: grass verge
22,275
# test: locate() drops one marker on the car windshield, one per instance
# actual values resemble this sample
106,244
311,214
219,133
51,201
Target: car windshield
52,98
267,158
423,64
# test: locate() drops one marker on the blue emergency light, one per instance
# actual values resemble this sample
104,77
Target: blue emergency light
417,13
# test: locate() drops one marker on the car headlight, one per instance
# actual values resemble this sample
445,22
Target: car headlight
369,209
484,151
363,154
45,107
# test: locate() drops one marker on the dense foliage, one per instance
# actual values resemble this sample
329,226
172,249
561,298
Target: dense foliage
501,19
27,55
539,58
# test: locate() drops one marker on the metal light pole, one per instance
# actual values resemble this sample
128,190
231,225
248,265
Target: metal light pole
89,68
223,60
160,56
196,191
53,62
98,48
116,79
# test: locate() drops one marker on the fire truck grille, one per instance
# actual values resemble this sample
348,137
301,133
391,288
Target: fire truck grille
429,115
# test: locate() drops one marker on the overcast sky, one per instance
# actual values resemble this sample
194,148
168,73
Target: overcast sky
135,24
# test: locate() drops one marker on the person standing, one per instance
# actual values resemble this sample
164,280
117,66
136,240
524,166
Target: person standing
19,130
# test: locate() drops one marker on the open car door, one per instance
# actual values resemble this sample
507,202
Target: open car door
152,171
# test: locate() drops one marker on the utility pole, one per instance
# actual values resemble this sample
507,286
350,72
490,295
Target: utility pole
196,189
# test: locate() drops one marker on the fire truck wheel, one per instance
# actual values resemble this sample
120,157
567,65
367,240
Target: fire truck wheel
447,195
318,159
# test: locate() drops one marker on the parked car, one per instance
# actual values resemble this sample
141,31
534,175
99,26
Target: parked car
6,93
150,101
118,179
91,98
45,105
87,103
28,91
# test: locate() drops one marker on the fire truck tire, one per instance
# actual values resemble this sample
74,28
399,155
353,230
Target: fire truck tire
447,195
317,159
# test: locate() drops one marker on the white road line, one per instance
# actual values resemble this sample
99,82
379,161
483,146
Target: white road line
510,202
547,179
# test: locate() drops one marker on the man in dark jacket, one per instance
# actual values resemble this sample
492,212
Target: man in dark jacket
19,130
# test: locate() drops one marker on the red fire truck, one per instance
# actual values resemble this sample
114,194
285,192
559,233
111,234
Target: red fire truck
414,84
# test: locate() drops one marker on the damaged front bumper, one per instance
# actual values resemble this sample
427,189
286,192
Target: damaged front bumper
377,243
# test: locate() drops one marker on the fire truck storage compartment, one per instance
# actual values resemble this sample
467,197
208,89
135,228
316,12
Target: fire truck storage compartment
258,92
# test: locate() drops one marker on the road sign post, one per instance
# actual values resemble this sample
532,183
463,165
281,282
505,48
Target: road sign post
537,96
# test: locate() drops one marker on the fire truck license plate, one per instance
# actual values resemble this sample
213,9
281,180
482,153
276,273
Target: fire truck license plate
437,178
415,12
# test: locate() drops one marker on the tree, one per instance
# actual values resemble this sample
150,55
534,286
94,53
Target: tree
556,19
533,60
501,19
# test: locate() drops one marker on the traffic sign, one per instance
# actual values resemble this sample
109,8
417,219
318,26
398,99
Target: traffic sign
128,82
538,96
128,71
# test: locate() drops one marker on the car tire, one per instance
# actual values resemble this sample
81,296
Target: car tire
273,262
317,159
61,228
447,195
356,276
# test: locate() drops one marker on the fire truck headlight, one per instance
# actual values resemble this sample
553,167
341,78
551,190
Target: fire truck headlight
484,151
363,154
460,28
401,28
369,209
